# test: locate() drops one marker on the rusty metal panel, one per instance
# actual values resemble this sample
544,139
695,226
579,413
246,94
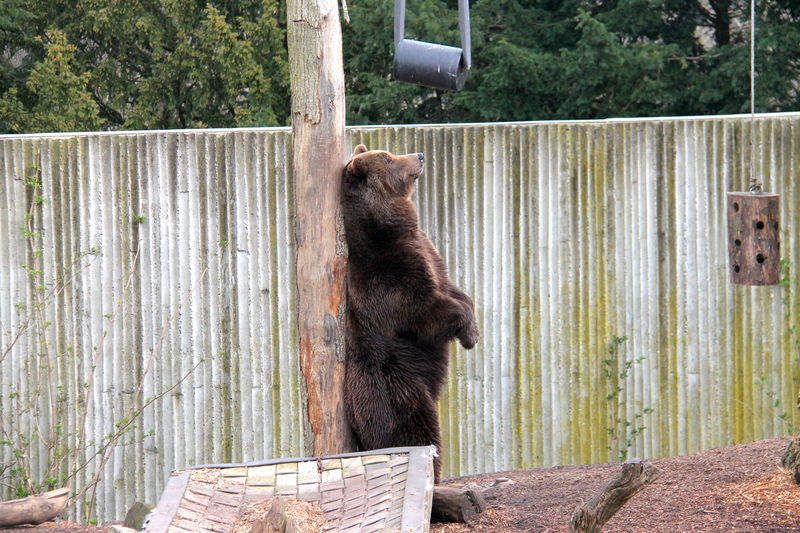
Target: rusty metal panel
596,254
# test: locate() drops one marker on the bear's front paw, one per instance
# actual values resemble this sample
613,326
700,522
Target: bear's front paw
468,336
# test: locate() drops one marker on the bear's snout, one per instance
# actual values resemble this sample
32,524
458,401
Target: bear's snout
414,164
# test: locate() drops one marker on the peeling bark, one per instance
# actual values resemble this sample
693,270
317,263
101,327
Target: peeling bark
318,156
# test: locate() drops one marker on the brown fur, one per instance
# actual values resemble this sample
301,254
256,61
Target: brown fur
403,310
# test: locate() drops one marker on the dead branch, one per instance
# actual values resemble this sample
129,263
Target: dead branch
591,516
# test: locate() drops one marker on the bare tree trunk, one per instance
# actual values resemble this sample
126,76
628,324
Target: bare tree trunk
318,156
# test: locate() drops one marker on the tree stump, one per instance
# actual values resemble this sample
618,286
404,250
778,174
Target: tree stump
453,504
791,459
136,515
276,520
591,516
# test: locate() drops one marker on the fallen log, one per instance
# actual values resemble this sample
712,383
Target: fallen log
591,516
453,504
33,509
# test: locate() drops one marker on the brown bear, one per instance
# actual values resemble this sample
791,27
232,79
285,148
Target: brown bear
403,310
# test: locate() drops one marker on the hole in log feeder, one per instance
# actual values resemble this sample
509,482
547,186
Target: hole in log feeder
753,238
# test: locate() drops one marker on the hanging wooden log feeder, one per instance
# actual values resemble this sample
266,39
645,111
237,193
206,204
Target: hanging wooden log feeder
754,238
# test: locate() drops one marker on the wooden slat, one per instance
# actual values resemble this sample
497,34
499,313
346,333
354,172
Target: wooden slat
168,505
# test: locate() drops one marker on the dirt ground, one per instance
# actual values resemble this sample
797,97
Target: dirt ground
734,489
737,488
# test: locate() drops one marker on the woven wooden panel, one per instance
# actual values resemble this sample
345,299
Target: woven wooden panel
357,492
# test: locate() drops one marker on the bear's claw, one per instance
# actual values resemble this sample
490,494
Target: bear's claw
468,337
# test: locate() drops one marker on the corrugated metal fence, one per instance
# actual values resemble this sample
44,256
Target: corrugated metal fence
158,266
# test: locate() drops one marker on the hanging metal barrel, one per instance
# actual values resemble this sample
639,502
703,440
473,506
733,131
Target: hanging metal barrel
433,65
754,238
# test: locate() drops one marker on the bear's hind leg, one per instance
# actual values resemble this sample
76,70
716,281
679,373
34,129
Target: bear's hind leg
419,426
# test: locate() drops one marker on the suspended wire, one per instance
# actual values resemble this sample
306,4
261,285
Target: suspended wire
756,187
752,59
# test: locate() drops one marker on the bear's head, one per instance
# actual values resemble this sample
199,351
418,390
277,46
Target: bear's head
381,174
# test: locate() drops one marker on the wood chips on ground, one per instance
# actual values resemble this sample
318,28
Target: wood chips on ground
308,517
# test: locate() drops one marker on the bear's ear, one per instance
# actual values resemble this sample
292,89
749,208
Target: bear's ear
353,171
360,149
